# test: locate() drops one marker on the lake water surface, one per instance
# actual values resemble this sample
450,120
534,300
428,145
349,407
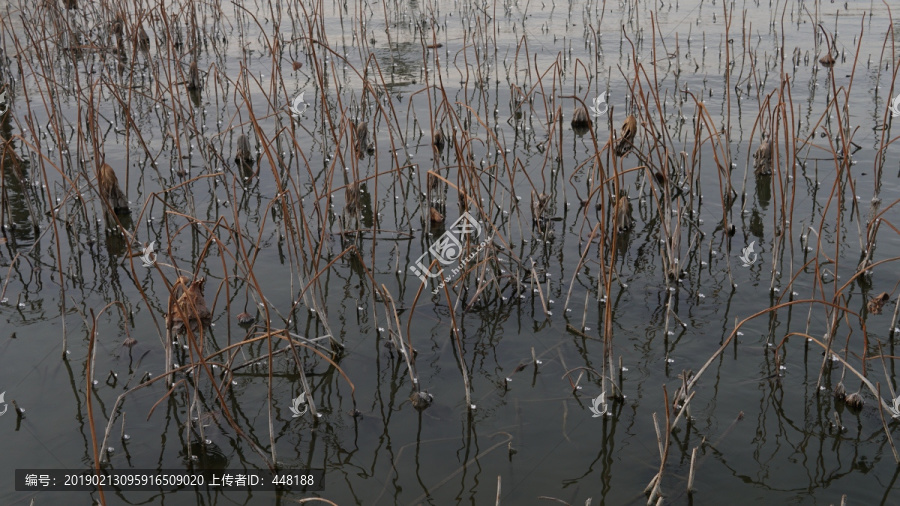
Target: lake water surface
729,283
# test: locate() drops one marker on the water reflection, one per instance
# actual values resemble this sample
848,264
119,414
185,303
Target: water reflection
560,303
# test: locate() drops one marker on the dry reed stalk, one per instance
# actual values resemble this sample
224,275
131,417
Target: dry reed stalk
887,432
663,440
690,482
405,349
305,243
89,388
892,328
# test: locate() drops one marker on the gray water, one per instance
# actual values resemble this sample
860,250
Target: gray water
765,427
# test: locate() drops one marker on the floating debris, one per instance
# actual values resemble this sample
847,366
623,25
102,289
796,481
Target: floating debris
189,310
581,120
762,163
660,177
421,400
117,29
361,143
194,82
626,136
624,220
436,217
876,304
243,156
438,141
539,209
142,40
110,190
352,195
854,401
840,393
